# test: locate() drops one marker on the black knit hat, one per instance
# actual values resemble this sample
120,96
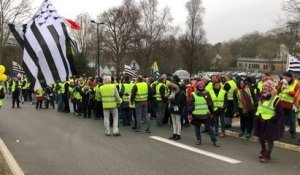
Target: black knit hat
287,74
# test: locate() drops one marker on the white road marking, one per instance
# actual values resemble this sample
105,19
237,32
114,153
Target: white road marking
196,150
10,160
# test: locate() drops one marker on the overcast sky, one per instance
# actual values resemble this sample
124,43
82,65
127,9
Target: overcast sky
223,19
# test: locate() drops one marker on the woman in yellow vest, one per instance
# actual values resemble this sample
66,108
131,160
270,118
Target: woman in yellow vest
243,100
219,98
268,120
39,95
201,107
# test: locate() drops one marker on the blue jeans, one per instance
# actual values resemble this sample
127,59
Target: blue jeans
219,116
290,120
141,113
206,123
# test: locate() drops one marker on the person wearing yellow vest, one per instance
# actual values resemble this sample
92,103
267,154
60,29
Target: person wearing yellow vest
244,99
139,96
39,95
286,93
60,95
200,109
229,87
110,100
15,89
98,100
151,98
125,92
160,95
219,98
268,120
77,94
2,95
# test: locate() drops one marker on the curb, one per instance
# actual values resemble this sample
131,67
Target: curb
276,143
10,160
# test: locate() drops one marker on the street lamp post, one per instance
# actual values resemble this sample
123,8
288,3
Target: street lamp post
98,46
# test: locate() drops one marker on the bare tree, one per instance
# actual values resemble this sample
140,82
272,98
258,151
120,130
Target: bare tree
119,31
194,39
154,24
11,11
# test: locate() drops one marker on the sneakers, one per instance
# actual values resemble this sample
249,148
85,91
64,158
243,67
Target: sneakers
217,144
116,134
241,134
221,134
248,136
198,142
147,131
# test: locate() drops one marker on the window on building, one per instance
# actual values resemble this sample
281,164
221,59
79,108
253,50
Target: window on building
240,64
265,67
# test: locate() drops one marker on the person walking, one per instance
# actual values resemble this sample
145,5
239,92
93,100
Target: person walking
176,103
200,110
15,89
160,94
2,95
39,95
110,100
268,121
125,92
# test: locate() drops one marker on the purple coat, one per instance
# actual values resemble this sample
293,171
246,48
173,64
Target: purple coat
270,129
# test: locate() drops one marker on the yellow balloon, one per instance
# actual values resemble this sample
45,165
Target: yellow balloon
2,69
3,77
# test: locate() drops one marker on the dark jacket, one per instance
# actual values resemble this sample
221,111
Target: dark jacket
270,129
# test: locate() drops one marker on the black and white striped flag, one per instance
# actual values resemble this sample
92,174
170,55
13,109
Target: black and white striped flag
17,67
46,43
293,64
129,71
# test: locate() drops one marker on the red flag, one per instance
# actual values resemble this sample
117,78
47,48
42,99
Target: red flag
73,24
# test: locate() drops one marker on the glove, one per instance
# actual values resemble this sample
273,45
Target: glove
190,117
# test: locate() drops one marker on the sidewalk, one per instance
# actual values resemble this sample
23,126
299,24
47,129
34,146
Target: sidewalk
285,142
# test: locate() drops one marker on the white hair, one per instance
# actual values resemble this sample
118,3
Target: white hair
106,79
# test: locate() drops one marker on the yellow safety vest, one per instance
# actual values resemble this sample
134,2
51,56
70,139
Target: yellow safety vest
107,92
260,86
286,97
77,94
209,86
157,92
218,100
231,90
97,92
266,109
142,91
1,100
40,92
127,90
239,97
201,107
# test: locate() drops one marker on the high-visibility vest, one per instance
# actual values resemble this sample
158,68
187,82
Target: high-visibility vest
97,92
40,92
201,107
142,91
13,86
157,91
107,92
266,109
127,90
218,100
231,90
1,100
286,97
62,88
239,97
167,91
209,87
260,86
77,94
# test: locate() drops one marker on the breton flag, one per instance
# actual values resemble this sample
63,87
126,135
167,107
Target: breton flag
129,71
293,64
46,44
17,68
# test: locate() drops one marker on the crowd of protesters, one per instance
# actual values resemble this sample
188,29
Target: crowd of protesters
264,107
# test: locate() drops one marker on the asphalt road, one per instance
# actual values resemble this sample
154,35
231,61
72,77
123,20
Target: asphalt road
52,143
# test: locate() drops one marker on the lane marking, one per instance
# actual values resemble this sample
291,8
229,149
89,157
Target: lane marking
196,150
10,160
